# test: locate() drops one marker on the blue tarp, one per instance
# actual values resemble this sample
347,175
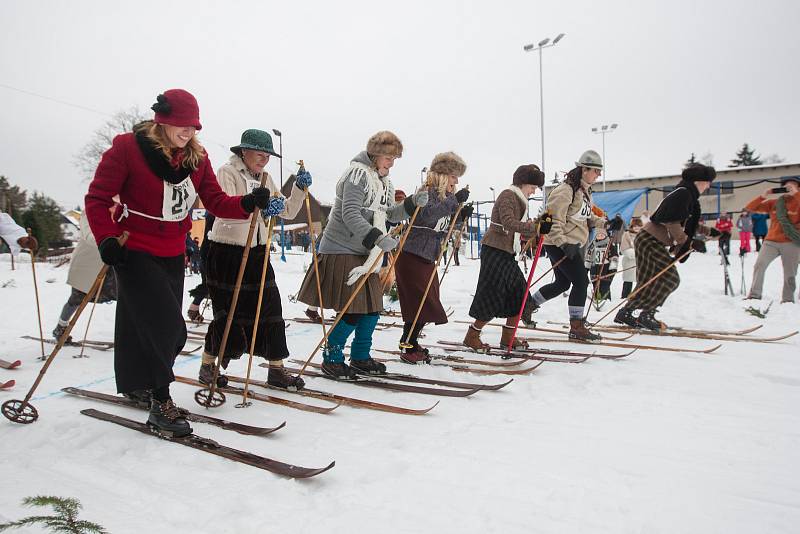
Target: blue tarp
622,202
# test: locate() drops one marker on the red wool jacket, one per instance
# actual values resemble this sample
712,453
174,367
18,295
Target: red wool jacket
724,225
123,171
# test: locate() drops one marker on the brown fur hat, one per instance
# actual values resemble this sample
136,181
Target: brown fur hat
448,163
528,175
385,143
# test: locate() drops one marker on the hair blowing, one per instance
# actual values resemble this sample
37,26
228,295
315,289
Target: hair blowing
193,152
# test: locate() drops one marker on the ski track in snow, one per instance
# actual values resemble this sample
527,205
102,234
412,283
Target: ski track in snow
660,442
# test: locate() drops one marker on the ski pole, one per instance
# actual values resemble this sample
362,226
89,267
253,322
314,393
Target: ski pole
393,258
609,275
342,313
22,411
639,288
434,272
525,295
209,396
452,253
36,293
264,269
314,256
91,314
556,264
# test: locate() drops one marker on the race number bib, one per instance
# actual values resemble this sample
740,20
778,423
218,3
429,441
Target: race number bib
584,213
251,184
442,224
178,200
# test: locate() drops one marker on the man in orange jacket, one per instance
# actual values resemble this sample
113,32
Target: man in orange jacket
783,238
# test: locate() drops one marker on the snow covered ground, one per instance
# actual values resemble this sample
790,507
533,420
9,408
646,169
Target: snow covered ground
661,442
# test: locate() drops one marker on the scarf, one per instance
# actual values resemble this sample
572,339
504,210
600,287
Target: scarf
783,217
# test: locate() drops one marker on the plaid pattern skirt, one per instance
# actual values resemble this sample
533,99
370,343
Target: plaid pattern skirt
333,272
651,257
501,286
413,273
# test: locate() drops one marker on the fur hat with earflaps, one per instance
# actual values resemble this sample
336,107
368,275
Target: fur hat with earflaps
528,175
448,163
385,143
697,172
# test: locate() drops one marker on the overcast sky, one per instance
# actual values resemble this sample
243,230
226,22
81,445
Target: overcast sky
678,76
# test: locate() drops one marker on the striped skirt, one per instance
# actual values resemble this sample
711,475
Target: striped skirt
651,257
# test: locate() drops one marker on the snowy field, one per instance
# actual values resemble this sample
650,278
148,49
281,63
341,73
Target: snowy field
660,442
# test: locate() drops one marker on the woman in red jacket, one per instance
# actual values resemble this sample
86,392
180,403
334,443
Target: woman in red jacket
158,170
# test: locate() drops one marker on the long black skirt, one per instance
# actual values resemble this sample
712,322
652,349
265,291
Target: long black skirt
501,286
149,330
222,266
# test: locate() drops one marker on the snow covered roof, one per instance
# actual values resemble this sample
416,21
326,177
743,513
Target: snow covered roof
721,171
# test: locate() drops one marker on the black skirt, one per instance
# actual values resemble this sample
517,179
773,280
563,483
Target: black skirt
222,267
149,331
501,286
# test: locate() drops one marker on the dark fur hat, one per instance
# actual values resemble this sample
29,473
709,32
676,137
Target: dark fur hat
448,163
697,172
528,175
385,143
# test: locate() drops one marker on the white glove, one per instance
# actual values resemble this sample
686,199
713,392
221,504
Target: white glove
387,242
421,199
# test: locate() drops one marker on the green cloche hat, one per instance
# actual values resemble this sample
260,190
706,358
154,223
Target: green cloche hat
255,140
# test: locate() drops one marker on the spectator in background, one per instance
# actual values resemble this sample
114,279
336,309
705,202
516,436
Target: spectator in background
725,225
645,217
745,227
629,256
760,228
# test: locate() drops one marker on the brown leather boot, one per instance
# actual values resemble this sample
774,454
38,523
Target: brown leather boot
579,332
505,339
473,340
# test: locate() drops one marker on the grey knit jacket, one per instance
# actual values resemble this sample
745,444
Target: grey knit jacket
430,226
350,229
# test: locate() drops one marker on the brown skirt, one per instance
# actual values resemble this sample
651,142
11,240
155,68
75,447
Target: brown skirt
413,273
333,272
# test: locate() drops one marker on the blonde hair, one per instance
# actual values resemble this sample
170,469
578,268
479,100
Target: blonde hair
193,152
439,182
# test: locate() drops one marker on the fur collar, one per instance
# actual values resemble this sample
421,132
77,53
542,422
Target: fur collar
158,163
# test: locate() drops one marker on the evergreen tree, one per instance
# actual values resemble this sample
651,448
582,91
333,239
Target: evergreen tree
745,157
43,217
690,161
64,520
12,199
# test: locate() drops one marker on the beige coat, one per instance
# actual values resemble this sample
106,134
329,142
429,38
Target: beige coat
234,179
572,215
85,263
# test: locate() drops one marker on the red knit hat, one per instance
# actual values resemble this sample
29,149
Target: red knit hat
399,195
177,107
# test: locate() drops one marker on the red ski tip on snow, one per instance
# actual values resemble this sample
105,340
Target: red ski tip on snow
10,365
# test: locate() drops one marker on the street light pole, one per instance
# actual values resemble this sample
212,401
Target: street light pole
544,43
492,190
280,148
604,129
422,175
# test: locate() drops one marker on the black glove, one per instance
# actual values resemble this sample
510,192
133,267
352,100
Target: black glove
466,212
258,198
462,195
572,251
111,252
713,232
682,250
545,223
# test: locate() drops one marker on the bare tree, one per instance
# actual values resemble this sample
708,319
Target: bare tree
88,157
773,159
707,159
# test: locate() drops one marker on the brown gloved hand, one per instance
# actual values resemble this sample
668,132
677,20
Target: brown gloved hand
29,242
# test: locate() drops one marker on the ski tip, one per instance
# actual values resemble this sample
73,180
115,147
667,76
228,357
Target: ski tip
712,349
9,384
303,472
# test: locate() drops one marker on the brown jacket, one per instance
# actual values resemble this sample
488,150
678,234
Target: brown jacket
506,215
762,205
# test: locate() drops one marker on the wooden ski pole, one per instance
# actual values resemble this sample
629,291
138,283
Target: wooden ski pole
341,314
434,272
209,396
394,257
556,264
245,403
452,253
609,275
22,411
36,293
91,314
639,288
314,256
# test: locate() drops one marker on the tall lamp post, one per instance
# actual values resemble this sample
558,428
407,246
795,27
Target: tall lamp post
492,190
280,149
603,130
422,175
541,45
